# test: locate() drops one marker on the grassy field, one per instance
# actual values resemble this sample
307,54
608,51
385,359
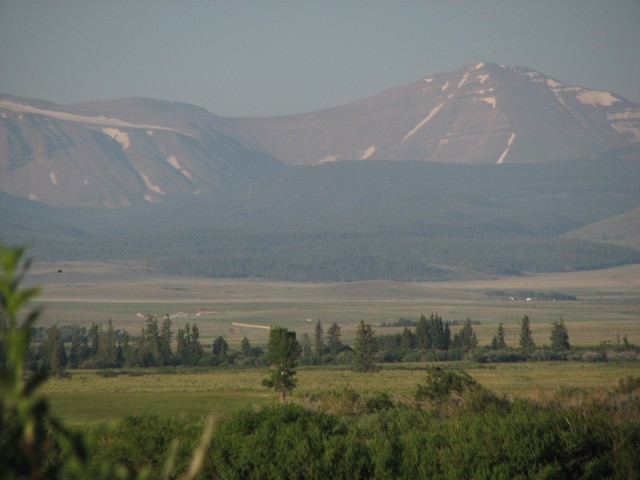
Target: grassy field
608,302
88,398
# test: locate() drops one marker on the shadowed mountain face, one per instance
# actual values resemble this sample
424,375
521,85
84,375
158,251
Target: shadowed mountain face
483,113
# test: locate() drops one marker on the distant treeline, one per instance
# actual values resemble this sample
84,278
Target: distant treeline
427,339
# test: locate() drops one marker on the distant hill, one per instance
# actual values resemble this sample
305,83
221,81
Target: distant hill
622,230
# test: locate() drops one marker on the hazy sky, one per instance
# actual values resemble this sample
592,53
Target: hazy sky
257,58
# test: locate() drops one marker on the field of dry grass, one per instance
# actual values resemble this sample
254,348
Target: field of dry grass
608,302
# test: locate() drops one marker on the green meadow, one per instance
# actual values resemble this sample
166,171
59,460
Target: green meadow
606,308
89,398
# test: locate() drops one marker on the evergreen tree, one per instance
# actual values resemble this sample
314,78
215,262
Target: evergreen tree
245,347
334,344
365,347
152,342
283,350
54,356
164,341
436,332
93,340
195,348
559,336
526,337
76,354
498,342
128,353
219,350
107,355
423,340
407,339
305,343
318,340
447,337
466,338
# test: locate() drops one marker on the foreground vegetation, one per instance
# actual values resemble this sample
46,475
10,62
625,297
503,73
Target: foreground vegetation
448,426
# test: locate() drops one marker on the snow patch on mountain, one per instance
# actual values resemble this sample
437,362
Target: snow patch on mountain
490,100
593,98
151,186
367,153
431,114
329,158
445,86
627,121
483,78
72,117
173,161
52,177
121,137
504,154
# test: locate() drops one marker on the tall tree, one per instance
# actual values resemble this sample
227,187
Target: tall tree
365,347
526,337
423,339
305,343
219,350
498,342
318,340
407,339
466,338
334,344
164,341
54,355
283,351
559,336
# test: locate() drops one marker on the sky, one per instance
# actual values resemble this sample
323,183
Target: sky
275,57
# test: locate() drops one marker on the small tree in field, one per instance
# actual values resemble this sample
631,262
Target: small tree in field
559,336
526,337
365,346
283,350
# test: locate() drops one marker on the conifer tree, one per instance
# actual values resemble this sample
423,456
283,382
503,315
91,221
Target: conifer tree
498,342
334,344
423,340
559,336
365,347
318,340
526,337
164,341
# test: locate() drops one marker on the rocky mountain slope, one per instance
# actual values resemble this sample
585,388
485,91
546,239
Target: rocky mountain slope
483,113
136,151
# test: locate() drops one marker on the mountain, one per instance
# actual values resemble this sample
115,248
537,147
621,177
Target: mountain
119,153
483,113
124,152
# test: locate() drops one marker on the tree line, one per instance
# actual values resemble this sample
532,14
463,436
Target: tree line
71,346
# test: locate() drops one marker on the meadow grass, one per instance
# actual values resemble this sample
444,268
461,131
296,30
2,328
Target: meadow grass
88,398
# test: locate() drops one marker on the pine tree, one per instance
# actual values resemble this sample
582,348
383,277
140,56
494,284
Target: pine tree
305,343
152,342
219,350
318,340
407,339
466,338
436,332
54,354
526,337
334,344
245,347
283,351
423,340
164,341
75,352
365,347
559,336
498,342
